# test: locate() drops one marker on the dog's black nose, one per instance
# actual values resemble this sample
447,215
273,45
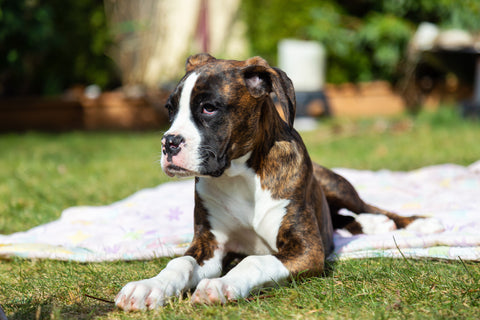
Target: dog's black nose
171,144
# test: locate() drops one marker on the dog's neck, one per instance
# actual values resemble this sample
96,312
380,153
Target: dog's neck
271,129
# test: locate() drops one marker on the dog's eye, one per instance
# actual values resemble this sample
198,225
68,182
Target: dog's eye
208,109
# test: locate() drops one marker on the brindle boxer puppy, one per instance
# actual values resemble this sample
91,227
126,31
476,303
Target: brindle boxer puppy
257,193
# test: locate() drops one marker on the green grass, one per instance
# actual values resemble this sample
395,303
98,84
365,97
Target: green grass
41,174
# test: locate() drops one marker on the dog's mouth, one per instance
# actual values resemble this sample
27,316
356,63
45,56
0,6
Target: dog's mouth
173,170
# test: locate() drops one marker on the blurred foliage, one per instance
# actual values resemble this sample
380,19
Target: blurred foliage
365,39
48,45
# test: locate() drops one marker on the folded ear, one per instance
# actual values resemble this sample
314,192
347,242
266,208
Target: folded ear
260,80
196,61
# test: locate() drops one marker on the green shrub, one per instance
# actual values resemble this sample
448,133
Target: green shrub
48,45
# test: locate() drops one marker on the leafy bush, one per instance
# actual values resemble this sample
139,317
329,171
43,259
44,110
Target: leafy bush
48,45
365,39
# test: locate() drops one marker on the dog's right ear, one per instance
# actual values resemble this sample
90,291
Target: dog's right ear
261,79
257,81
198,60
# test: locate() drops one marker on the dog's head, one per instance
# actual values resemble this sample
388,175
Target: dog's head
216,112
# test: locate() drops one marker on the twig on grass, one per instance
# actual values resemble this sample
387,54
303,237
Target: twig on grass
99,299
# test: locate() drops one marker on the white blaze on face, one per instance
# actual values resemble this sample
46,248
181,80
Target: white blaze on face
188,158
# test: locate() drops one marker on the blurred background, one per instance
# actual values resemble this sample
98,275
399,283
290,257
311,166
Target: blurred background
90,64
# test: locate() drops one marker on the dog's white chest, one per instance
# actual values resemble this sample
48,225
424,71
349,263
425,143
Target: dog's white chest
243,216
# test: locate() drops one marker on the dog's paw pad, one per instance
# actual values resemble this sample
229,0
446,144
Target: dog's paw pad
426,226
375,223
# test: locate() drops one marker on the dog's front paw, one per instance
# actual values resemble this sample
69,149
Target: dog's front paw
141,295
210,291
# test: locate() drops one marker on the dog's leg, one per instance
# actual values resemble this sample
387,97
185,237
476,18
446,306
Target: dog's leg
341,194
261,271
180,274
344,222
251,272
300,252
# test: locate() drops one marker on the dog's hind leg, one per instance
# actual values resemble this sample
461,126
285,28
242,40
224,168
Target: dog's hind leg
341,194
348,223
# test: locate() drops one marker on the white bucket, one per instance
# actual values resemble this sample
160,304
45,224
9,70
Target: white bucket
304,63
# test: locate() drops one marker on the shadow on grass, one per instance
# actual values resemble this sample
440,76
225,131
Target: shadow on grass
48,309
329,268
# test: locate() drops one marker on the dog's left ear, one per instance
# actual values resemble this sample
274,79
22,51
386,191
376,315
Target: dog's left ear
261,79
197,60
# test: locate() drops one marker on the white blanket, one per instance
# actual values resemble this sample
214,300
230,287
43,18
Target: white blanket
159,221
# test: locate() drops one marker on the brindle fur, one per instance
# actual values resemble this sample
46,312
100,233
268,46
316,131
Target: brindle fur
203,244
280,158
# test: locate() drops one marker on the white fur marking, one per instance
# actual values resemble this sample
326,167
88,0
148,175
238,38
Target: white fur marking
252,272
269,214
183,125
180,274
426,226
375,223
183,117
244,216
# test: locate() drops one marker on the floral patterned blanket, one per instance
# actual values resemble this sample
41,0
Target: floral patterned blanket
159,221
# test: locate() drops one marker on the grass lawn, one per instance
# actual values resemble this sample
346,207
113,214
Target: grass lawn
42,174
